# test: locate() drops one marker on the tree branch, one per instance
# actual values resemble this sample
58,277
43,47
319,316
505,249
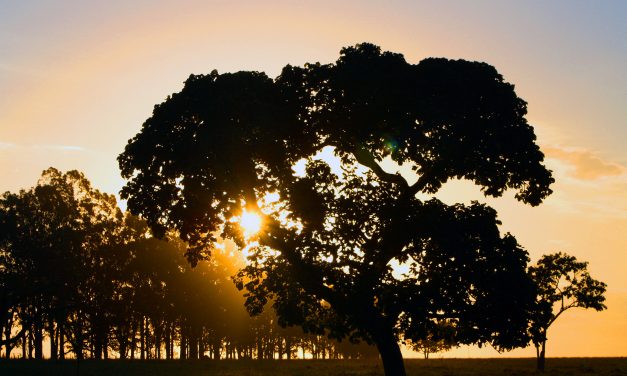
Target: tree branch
365,158
308,275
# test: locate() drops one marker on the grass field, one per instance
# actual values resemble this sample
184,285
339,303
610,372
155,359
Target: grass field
436,367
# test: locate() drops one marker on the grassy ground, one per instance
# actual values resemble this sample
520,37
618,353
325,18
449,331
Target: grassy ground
439,367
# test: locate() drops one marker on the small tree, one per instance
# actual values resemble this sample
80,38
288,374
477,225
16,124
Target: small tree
562,283
441,337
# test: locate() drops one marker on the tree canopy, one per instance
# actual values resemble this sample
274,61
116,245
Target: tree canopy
331,231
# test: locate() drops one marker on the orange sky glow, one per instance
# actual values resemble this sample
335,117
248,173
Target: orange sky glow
77,81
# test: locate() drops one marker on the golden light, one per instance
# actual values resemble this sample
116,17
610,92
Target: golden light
250,223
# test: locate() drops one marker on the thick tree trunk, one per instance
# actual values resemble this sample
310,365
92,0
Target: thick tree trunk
391,356
540,353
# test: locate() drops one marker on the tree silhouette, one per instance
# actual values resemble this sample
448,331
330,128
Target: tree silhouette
229,142
441,337
562,283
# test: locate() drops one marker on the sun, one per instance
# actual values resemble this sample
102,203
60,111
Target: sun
250,223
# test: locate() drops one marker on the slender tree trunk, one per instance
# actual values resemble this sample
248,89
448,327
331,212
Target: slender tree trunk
39,338
97,345
123,344
391,356
193,343
216,349
133,338
167,340
142,334
171,342
52,331
280,347
201,342
105,343
158,335
24,345
183,345
61,340
29,343
540,353
7,334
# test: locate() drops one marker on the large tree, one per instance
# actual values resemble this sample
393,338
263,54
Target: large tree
562,282
333,228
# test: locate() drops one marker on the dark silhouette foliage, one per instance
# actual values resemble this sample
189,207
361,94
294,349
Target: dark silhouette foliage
562,283
228,142
93,283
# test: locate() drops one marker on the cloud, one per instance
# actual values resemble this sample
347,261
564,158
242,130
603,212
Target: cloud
59,147
584,164
586,184
45,147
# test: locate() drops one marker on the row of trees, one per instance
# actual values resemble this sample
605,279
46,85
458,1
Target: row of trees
92,282
89,281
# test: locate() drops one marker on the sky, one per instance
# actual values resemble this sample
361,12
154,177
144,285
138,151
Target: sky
78,78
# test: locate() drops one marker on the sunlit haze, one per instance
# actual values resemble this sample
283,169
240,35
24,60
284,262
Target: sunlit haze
78,79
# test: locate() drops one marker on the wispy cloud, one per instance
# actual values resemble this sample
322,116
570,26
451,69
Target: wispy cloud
584,164
59,147
44,147
586,183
